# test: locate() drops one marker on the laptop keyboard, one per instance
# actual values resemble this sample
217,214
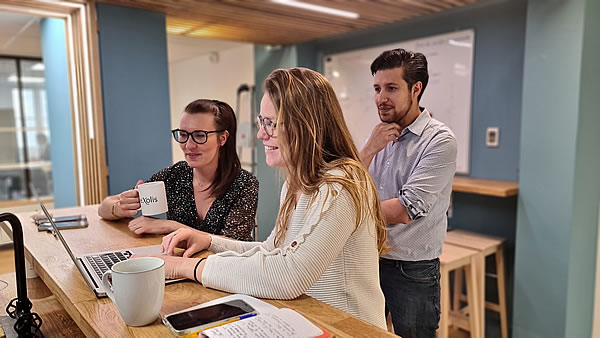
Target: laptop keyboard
103,262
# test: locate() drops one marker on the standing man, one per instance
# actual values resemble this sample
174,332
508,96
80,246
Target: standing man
412,158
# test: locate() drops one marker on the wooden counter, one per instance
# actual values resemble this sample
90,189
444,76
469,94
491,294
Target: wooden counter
485,187
100,317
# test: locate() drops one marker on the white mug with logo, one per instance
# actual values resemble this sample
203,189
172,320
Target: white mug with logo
153,198
138,289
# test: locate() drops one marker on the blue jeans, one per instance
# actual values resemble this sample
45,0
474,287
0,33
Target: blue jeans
412,295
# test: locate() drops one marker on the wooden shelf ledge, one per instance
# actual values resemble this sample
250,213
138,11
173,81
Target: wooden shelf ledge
24,202
485,187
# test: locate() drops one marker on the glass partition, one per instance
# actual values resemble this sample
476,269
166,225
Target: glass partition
24,133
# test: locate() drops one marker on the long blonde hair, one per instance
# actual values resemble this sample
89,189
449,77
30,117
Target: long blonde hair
316,139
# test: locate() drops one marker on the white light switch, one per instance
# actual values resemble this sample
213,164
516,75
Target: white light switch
492,136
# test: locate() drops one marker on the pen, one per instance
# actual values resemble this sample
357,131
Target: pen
247,315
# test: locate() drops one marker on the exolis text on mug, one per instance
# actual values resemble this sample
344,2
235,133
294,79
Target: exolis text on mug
148,200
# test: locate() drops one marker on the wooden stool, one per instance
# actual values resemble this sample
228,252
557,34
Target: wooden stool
485,245
458,258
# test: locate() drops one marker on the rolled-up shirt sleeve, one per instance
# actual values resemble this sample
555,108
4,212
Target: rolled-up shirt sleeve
433,173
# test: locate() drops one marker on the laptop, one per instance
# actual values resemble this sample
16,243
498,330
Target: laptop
92,266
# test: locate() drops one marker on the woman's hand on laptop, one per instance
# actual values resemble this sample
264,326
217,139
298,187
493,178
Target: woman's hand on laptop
179,267
149,225
191,240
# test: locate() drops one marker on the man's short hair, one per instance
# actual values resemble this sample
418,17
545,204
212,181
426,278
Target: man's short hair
414,66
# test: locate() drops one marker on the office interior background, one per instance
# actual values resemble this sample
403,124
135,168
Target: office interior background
535,77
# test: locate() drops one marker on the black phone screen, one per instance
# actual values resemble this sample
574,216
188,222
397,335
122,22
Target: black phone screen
209,314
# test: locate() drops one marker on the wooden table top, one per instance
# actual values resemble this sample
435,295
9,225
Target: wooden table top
485,187
480,242
100,317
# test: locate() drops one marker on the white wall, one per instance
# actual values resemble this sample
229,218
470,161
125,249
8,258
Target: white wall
203,77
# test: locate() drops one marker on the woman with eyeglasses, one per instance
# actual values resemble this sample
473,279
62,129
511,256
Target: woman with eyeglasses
209,191
330,228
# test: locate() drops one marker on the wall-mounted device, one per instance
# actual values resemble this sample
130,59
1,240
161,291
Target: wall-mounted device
492,137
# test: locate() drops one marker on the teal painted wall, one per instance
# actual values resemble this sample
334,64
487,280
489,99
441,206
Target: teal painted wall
587,183
559,161
54,52
135,90
267,59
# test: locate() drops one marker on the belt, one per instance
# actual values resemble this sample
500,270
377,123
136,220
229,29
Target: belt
397,262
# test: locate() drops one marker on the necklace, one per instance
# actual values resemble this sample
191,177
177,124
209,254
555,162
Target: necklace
200,186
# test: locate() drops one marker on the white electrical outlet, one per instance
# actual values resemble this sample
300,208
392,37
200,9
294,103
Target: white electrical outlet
492,137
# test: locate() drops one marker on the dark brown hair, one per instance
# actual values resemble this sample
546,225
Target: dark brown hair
229,163
414,66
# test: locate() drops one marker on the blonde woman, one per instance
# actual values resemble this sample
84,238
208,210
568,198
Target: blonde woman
330,229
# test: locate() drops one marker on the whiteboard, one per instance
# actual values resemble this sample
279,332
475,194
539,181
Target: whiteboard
447,96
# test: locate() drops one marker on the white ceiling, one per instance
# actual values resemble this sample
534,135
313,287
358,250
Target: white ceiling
19,35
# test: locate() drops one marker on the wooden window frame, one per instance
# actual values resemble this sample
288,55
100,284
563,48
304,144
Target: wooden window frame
85,89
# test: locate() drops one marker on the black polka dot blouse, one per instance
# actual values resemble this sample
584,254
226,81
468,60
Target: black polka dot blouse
232,215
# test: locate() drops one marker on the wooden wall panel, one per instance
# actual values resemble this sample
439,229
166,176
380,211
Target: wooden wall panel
266,22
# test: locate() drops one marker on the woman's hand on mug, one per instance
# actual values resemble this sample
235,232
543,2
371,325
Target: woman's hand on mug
128,203
191,240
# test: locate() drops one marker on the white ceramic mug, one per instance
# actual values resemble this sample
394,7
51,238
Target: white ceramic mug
153,198
138,289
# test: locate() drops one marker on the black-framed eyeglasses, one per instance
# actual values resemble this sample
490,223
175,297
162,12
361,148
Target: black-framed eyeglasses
268,124
199,136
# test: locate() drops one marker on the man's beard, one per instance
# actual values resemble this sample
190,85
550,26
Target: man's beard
398,117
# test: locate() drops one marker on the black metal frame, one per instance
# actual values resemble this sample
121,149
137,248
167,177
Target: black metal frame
27,323
188,134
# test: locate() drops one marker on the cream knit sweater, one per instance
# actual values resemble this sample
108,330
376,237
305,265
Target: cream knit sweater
322,256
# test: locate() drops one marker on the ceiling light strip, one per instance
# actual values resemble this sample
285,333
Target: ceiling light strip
317,8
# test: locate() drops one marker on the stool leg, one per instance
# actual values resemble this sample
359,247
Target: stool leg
445,303
472,296
390,325
480,272
458,283
501,291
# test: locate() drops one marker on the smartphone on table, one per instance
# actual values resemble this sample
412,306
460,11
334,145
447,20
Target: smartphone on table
65,222
201,319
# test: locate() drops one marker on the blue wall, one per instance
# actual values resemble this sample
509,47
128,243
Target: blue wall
135,87
54,52
559,188
265,61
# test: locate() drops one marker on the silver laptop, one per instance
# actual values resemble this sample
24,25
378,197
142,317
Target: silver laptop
92,266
